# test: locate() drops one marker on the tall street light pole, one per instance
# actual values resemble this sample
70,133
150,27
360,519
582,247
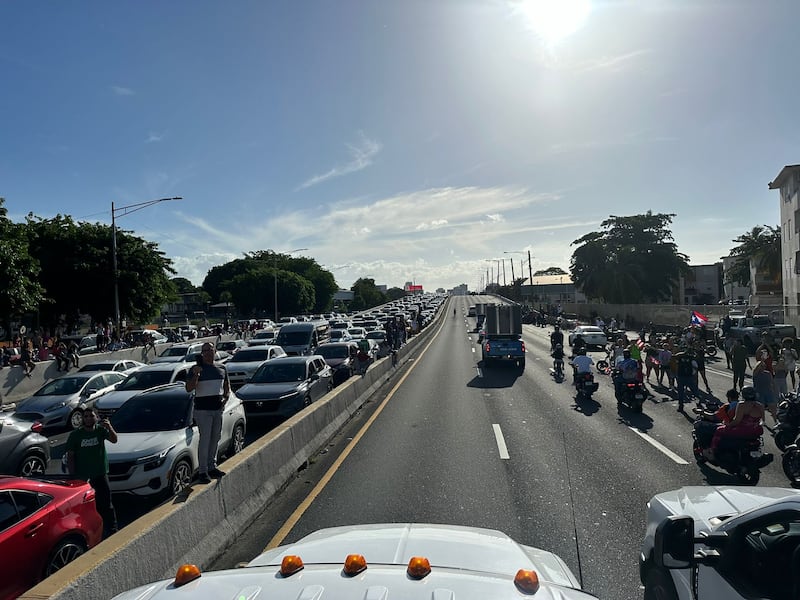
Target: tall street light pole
125,210
275,265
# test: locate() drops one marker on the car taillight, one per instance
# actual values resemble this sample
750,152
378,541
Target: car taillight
88,495
523,346
488,347
37,427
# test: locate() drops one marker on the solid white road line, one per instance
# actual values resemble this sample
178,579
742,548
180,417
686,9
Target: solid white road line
659,446
501,442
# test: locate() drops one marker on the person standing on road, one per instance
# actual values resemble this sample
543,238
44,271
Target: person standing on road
685,376
764,384
209,382
789,355
739,362
87,459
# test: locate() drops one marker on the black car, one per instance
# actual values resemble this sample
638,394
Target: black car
341,357
283,386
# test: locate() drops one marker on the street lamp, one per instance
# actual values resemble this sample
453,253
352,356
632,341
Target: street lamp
125,211
275,265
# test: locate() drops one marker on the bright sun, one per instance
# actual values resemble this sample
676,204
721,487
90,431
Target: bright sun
553,20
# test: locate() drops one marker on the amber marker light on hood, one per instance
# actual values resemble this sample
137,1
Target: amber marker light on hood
290,565
185,574
354,564
527,582
418,567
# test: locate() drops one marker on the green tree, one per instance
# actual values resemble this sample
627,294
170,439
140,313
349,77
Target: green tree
366,294
762,246
21,291
631,260
183,285
76,257
395,293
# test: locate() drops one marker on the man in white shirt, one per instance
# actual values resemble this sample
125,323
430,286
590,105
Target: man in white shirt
582,363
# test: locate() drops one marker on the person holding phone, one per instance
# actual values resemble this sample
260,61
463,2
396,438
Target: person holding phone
209,382
87,459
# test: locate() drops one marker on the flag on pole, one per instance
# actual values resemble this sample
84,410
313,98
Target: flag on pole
699,318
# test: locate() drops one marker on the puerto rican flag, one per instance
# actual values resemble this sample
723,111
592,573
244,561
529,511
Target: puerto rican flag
699,318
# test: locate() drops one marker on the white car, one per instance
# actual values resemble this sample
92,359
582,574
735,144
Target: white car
357,333
146,378
737,543
157,447
125,366
177,353
245,362
593,336
392,560
265,336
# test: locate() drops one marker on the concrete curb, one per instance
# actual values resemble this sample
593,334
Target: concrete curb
208,518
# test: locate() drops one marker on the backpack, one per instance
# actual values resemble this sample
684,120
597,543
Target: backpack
685,366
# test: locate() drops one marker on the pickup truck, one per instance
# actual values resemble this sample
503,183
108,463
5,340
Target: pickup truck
722,543
501,335
749,329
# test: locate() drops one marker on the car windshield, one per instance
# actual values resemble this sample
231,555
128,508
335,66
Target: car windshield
761,322
264,335
174,351
227,346
153,412
144,380
292,338
250,355
278,372
62,387
326,351
97,367
376,335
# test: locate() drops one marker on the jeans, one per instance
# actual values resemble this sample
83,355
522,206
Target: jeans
683,381
738,377
102,500
209,425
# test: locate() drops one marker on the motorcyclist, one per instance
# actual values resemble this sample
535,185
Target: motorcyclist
627,371
578,345
581,364
746,421
558,356
556,338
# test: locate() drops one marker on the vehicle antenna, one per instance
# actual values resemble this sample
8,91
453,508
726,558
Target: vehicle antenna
572,509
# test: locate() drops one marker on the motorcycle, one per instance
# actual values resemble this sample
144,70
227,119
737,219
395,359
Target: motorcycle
788,421
740,456
629,393
558,369
791,463
710,348
585,385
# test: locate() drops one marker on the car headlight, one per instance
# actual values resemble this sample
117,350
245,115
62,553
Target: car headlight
289,395
153,461
55,407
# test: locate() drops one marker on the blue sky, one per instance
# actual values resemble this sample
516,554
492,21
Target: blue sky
399,140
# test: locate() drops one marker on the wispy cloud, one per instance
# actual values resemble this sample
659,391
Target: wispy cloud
611,64
122,91
153,137
435,224
361,155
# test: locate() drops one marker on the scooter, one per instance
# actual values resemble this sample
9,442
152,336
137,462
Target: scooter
740,456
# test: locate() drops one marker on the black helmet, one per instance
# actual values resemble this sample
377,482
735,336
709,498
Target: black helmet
626,353
748,393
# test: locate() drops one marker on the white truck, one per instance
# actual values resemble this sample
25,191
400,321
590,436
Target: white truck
722,543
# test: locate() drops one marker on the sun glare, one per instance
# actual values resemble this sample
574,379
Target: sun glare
553,20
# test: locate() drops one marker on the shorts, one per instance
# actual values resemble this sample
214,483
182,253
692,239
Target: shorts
766,398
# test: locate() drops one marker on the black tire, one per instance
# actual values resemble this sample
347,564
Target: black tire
638,408
711,350
307,401
602,365
784,438
32,465
181,477
64,553
791,464
748,476
237,440
75,420
697,450
658,585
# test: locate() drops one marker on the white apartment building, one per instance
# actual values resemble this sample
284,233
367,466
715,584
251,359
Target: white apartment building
788,182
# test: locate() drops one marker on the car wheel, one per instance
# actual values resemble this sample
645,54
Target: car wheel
329,386
76,419
658,585
181,477
307,401
64,553
32,465
237,440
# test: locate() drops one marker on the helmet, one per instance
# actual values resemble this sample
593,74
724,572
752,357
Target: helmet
558,346
626,353
748,393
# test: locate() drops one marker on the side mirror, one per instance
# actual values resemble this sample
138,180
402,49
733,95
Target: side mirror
674,543
314,377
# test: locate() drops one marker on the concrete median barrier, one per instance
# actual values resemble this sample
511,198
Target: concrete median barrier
198,526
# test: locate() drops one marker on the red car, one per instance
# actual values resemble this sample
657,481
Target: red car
44,524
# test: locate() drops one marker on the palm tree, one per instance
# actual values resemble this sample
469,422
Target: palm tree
762,245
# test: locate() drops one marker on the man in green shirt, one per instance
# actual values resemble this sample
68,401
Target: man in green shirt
87,459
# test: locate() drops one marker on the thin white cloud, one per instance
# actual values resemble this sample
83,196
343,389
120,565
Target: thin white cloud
153,137
122,91
435,224
495,218
361,155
